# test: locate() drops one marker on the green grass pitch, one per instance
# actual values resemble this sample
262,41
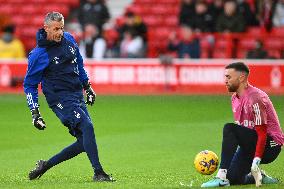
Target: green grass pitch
144,141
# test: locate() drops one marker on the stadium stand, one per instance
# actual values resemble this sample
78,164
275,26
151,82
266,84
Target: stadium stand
161,18
27,15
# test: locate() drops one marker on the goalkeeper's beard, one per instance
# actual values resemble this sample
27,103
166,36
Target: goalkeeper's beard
232,87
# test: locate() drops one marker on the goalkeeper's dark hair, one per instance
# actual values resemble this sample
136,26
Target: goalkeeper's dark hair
53,16
239,66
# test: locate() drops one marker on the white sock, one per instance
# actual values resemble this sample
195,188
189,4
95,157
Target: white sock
222,173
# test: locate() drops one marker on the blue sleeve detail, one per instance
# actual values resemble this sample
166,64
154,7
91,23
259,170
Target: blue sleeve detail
37,62
82,72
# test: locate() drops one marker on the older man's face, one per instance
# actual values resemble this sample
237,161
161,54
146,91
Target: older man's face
54,30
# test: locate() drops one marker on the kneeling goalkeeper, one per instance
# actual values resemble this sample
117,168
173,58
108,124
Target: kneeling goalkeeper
255,138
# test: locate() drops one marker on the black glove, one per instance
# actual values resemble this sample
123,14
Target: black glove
38,122
91,95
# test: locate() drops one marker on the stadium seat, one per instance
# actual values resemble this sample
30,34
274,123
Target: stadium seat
119,21
20,20
30,9
274,53
277,31
71,3
160,33
141,2
242,53
204,53
246,43
157,47
111,36
139,10
29,41
37,20
7,9
256,32
152,21
29,31
160,10
273,43
221,43
170,21
171,2
223,46
39,1
16,1
219,53
56,7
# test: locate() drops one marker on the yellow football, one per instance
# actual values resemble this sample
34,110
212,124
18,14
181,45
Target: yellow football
206,162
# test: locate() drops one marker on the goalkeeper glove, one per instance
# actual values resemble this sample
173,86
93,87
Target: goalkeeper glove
255,164
255,171
38,122
91,95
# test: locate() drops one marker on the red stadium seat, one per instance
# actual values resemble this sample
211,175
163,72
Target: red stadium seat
274,53
29,31
37,20
159,46
273,43
152,21
139,10
256,31
111,36
170,21
242,53
204,53
55,7
67,2
152,49
17,1
7,9
247,43
172,2
30,44
158,34
173,10
20,20
206,40
217,53
223,46
39,1
30,9
119,21
278,31
141,2
221,43
159,9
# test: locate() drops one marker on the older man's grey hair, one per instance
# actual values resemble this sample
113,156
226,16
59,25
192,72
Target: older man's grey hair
53,16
